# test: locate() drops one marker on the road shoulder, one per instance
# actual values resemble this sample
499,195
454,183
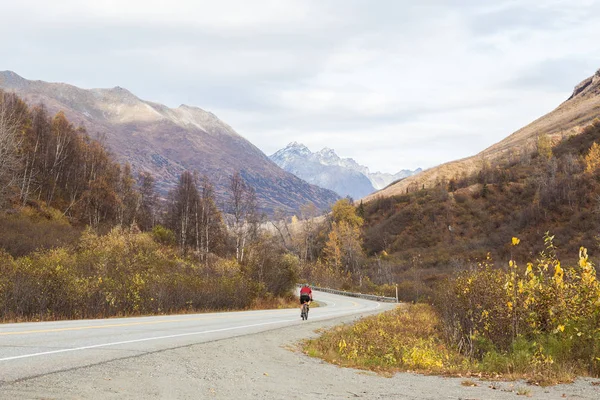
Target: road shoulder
260,366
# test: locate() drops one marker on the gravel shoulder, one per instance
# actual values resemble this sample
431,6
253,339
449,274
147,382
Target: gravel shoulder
267,365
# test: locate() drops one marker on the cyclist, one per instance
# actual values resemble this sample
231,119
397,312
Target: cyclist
305,295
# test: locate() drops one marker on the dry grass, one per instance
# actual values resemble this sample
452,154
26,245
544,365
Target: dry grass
271,303
408,339
404,339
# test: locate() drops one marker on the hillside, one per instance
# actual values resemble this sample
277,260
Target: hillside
432,232
566,120
166,141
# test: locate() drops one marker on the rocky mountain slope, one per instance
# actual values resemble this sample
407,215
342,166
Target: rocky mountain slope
166,141
326,169
566,120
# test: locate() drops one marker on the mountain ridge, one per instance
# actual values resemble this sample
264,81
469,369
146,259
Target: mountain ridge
568,119
326,169
166,141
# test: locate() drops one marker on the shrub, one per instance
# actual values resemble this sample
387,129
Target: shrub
163,235
121,273
546,315
24,232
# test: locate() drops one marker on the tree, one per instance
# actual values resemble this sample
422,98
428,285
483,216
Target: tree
243,210
343,248
308,235
182,212
361,210
544,146
34,143
11,118
484,190
147,201
47,160
63,135
332,251
343,210
592,159
210,231
129,198
279,221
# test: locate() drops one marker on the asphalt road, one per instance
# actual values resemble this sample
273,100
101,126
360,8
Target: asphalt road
240,355
30,350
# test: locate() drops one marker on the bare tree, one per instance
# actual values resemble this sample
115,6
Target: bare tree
129,198
183,210
210,230
10,142
309,232
34,144
244,218
279,221
147,200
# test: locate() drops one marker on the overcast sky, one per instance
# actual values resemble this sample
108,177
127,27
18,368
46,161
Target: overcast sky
393,84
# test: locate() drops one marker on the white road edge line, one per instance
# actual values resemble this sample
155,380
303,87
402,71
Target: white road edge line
168,336
141,340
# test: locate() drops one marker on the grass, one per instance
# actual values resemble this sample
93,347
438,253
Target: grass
404,339
409,339
263,303
272,303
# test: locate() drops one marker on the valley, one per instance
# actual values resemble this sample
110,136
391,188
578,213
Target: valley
150,247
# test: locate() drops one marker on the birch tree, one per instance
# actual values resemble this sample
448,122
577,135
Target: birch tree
11,118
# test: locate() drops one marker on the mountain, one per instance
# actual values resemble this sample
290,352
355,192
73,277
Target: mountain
166,141
312,167
382,179
379,180
326,169
568,119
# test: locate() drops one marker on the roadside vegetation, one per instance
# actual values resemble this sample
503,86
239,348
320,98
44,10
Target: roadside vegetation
82,237
420,238
487,304
539,322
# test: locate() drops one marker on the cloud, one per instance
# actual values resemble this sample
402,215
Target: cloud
394,84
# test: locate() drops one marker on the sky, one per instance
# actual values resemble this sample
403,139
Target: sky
393,84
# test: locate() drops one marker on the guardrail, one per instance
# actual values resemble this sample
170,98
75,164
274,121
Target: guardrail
359,295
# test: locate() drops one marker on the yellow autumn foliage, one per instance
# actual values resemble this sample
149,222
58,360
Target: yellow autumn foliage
402,339
120,273
547,303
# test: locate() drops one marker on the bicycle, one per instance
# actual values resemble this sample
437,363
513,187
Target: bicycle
304,313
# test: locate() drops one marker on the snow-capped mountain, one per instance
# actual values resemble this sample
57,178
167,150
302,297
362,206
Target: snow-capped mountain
379,180
326,169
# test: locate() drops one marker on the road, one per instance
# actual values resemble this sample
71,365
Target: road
34,349
238,355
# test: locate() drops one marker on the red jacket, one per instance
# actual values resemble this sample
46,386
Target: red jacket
306,290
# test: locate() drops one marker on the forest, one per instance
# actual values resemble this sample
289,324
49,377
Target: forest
82,236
